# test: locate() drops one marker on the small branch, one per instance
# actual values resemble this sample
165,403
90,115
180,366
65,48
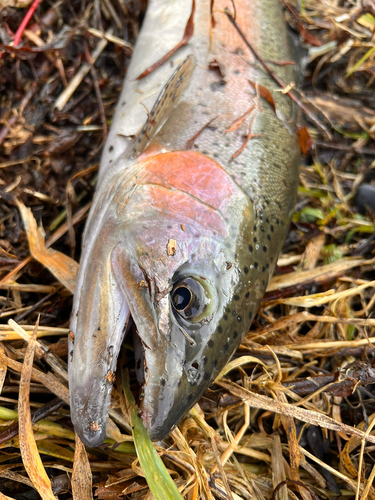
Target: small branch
39,414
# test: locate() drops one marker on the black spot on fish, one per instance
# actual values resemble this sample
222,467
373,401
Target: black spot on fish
264,248
271,259
225,317
256,265
190,397
235,334
162,382
255,239
214,363
247,295
236,297
215,86
268,237
263,269
110,149
225,347
204,359
234,313
210,343
245,270
123,103
255,228
239,319
251,248
206,376
262,228
220,329
272,228
267,220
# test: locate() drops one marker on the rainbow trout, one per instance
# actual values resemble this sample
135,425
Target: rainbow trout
196,188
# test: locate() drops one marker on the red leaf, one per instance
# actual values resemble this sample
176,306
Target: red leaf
305,140
265,93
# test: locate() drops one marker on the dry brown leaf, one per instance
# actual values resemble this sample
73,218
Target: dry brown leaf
309,416
29,450
278,471
3,369
319,274
47,379
60,265
82,477
18,4
265,93
302,317
319,299
15,476
305,140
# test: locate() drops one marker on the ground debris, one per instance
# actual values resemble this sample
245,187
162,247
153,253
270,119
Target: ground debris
292,414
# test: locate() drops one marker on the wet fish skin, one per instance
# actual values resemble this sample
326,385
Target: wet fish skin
228,217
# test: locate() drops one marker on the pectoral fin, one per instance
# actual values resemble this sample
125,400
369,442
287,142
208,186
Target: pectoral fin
167,100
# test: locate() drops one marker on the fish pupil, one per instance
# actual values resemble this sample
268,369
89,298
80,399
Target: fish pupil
181,298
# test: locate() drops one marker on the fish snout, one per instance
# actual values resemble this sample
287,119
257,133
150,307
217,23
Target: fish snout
99,323
89,420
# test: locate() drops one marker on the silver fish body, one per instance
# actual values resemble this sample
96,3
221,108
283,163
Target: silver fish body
182,239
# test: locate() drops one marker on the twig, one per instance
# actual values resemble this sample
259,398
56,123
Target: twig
67,93
25,22
97,91
37,415
309,416
111,38
278,80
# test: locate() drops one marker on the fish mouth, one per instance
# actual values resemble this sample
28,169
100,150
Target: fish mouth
112,307
161,407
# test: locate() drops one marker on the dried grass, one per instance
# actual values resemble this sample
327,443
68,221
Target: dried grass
292,415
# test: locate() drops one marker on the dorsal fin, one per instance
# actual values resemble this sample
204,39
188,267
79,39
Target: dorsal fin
167,100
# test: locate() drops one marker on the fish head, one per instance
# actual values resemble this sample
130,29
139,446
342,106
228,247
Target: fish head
181,276
173,261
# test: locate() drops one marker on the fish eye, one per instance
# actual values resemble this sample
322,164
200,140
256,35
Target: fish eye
189,299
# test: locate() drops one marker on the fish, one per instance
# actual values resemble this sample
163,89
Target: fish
196,188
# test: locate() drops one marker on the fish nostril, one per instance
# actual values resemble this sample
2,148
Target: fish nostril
193,373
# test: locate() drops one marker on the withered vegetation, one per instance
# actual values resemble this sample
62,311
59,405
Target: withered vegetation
292,415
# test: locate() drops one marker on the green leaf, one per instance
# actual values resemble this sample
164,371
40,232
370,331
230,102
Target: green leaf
159,481
360,62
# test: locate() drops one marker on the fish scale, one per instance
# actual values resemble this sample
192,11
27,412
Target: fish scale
225,207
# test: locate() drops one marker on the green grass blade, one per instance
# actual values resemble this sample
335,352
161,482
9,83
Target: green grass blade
159,481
